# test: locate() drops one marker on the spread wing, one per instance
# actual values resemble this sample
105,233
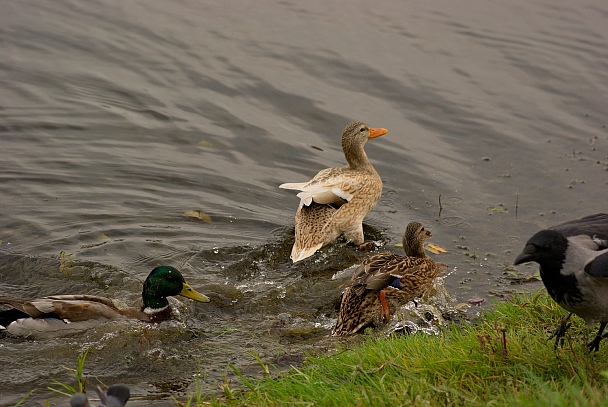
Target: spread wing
329,186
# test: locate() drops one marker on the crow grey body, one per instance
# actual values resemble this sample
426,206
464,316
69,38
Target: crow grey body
573,259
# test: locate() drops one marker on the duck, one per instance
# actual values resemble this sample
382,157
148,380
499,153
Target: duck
335,201
66,314
386,281
573,260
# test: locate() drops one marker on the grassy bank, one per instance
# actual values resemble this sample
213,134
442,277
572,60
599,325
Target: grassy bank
503,360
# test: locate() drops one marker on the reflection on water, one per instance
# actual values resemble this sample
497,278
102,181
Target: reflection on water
117,118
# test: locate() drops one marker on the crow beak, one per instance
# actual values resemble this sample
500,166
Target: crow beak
526,256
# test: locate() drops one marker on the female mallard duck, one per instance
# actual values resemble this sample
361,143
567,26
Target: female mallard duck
66,314
385,282
336,200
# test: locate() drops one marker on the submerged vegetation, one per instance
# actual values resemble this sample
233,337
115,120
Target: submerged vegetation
505,358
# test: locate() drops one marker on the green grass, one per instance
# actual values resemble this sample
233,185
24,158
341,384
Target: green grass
68,390
503,360
78,374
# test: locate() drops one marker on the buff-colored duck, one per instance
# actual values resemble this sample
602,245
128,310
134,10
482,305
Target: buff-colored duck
386,281
68,314
336,200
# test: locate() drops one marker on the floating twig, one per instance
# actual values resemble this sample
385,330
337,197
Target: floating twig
440,207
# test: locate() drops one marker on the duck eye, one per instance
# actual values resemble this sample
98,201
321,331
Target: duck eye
362,129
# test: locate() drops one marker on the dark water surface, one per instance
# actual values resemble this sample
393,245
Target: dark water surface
118,117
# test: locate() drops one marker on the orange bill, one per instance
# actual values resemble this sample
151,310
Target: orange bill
377,132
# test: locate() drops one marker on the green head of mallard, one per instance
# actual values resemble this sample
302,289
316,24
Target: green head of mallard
413,239
165,281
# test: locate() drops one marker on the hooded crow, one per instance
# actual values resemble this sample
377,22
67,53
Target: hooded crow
116,396
573,259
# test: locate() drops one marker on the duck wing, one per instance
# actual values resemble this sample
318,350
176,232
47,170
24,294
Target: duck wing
418,275
329,186
72,308
60,315
400,272
375,273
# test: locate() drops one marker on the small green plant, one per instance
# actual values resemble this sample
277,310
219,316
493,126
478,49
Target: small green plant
228,393
24,398
81,380
265,367
198,395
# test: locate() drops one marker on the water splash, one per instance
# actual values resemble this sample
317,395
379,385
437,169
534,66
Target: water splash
427,314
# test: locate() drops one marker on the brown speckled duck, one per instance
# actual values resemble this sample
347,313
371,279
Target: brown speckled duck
385,282
68,314
336,200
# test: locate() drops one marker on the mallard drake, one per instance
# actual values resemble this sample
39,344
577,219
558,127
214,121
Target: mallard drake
385,282
66,314
336,200
573,259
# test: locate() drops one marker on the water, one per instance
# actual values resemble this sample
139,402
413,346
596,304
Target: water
116,118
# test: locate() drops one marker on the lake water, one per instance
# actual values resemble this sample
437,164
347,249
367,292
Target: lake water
116,118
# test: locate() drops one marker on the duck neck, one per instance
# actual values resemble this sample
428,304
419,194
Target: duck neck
355,156
413,248
157,315
152,300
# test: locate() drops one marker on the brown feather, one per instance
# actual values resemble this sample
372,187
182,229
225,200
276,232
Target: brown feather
344,196
73,308
361,307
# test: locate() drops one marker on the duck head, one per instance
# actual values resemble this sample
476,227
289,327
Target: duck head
354,137
413,239
165,281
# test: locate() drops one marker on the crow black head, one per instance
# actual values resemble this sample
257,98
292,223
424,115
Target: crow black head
547,248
